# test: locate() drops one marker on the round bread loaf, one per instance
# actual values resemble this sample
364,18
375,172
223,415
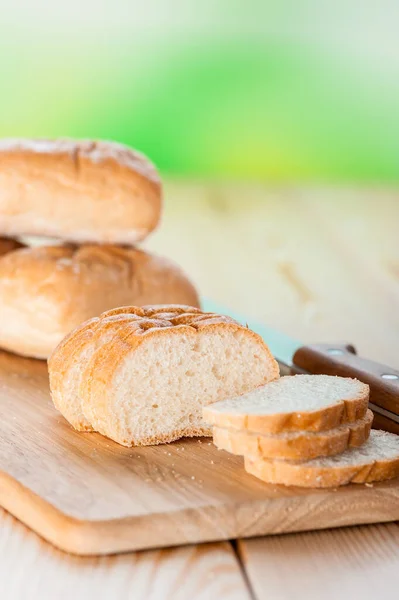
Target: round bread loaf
46,292
80,191
141,376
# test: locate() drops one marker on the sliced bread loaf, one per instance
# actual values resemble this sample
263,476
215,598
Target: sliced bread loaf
376,460
293,403
295,445
141,376
45,292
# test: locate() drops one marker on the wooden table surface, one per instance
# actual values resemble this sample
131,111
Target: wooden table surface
319,264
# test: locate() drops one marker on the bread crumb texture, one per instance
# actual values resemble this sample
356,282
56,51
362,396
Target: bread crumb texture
45,292
298,393
295,445
376,460
141,376
294,403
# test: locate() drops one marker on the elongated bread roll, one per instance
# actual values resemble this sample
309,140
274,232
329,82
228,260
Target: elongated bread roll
46,292
294,403
141,376
376,460
296,445
80,191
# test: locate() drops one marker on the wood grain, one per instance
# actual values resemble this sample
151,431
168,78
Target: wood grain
357,562
31,569
88,495
320,264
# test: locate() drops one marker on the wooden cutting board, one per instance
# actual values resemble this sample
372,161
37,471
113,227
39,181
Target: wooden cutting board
88,495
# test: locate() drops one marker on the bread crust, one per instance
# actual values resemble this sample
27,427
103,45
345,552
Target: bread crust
305,475
46,292
326,418
8,244
294,446
80,191
128,328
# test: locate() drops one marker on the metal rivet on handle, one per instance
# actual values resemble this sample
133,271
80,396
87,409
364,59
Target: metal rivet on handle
335,351
389,376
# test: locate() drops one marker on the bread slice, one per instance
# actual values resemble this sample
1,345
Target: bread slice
376,460
77,190
141,376
294,403
46,292
296,445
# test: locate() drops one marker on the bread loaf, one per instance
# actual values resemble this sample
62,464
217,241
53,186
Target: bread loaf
294,403
376,460
46,292
81,191
141,376
297,445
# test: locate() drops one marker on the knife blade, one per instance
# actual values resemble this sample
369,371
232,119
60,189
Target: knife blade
330,359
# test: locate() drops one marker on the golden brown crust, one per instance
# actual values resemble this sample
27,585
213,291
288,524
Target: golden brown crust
46,292
375,460
330,417
154,321
155,440
115,334
69,352
301,475
61,361
79,190
297,446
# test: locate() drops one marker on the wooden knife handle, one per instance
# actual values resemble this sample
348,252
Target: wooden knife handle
341,359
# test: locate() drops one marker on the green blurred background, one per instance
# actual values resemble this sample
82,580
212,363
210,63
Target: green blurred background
283,91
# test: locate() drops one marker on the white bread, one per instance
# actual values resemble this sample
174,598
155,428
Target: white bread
141,376
80,191
297,445
294,403
376,460
46,292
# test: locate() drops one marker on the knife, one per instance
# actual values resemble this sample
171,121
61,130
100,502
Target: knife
329,359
